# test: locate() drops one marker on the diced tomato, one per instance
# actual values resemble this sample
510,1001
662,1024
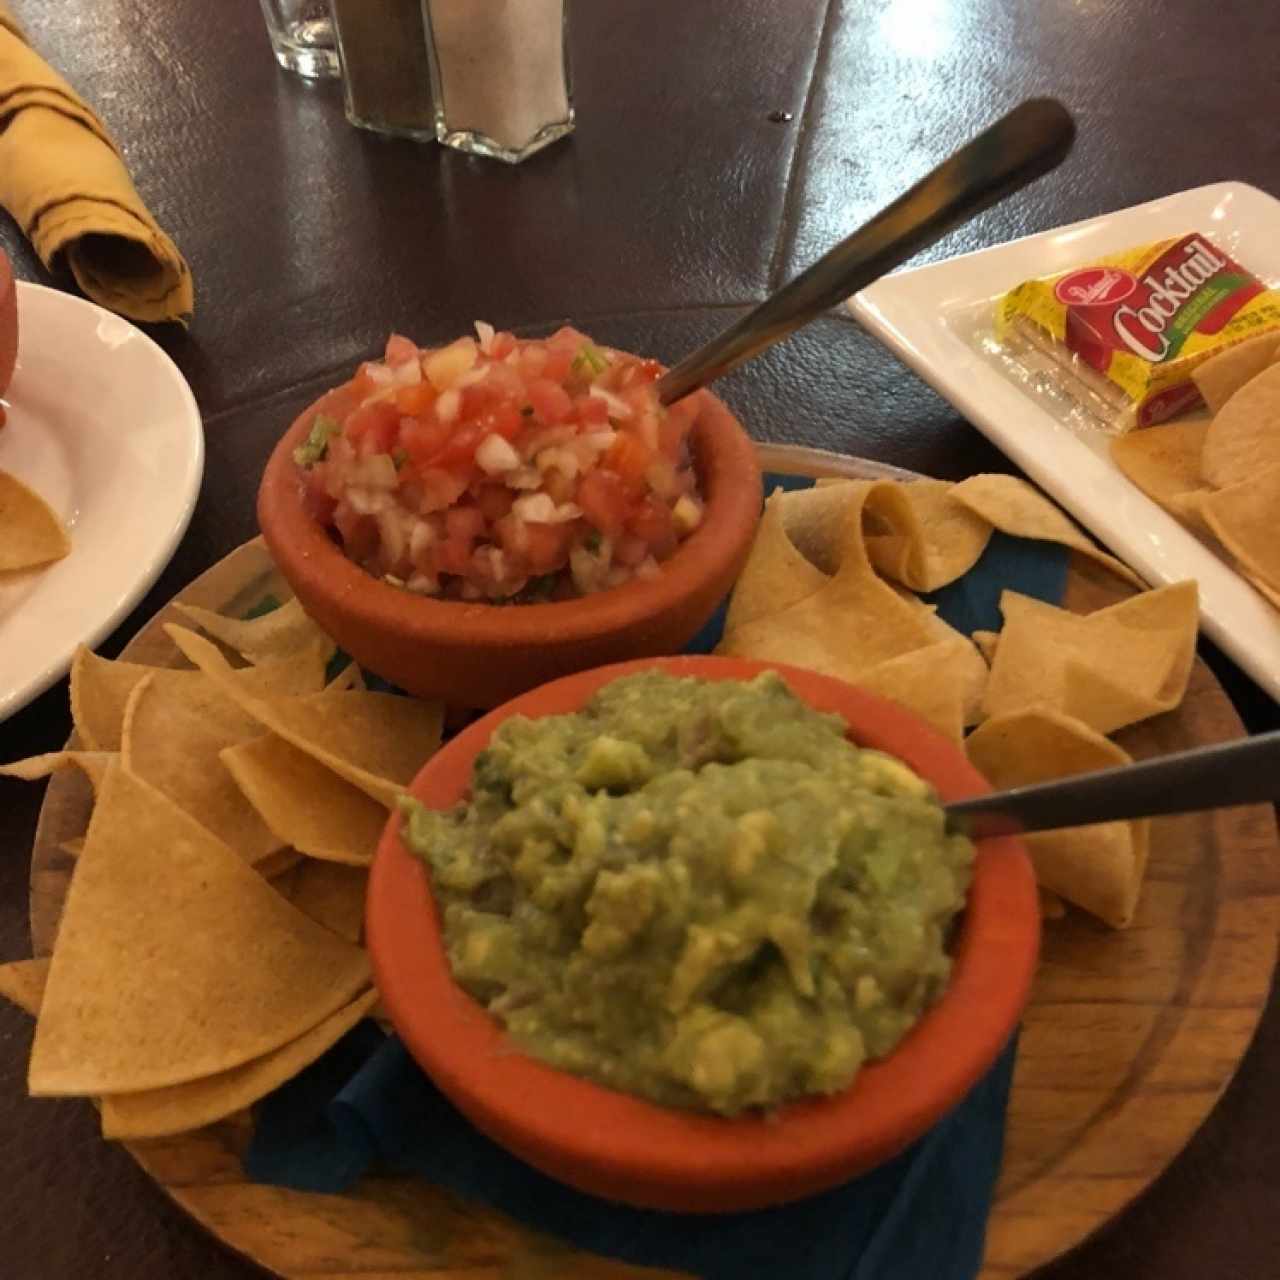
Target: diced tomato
373,428
503,344
422,439
400,350
630,550
550,401
503,419
629,457
651,522
603,500
558,363
416,400
495,501
453,555
460,446
591,411
547,546
362,384
464,523
440,489
319,503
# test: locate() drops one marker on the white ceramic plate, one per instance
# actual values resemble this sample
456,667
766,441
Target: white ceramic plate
104,427
932,319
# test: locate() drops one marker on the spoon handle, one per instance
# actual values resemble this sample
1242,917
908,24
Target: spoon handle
1243,772
1030,141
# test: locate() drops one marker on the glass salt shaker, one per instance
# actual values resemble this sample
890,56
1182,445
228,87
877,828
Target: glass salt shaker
499,75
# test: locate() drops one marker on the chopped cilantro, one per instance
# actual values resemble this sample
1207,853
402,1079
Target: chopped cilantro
590,360
316,444
592,541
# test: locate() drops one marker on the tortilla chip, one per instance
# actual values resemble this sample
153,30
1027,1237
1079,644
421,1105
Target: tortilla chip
332,895
179,1108
814,519
348,680
1098,867
1246,520
1109,668
304,803
173,734
853,623
376,741
776,573
22,982
278,864
93,764
1052,907
1164,462
986,642
74,846
1221,376
277,635
30,533
1016,507
942,542
929,681
174,959
1243,439
100,689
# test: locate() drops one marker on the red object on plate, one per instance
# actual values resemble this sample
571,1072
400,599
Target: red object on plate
8,324
479,655
621,1147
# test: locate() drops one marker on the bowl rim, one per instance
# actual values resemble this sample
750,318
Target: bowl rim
623,1147
730,480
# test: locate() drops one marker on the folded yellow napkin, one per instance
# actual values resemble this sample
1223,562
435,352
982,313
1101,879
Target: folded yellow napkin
62,179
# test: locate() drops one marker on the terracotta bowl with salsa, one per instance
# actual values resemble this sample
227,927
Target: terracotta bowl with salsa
622,1146
471,521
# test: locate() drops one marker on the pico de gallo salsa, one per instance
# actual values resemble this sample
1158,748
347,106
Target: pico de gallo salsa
503,469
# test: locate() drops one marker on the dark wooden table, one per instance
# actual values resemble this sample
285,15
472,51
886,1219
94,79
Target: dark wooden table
721,146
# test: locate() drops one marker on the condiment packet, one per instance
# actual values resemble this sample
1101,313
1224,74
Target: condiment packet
1124,333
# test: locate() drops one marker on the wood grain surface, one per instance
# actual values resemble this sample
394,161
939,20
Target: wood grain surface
1129,1040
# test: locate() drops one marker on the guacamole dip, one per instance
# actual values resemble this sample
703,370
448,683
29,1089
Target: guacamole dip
695,891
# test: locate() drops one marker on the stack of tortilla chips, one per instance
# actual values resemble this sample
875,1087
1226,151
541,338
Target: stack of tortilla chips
829,585
209,946
1220,473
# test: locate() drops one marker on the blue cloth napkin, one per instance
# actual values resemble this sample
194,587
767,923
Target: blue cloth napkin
922,1216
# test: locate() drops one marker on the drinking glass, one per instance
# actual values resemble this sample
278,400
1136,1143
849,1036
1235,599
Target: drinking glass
301,34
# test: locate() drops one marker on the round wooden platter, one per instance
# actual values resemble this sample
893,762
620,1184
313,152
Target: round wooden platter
1129,1040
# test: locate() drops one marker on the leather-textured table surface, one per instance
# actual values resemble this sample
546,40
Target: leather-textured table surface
677,203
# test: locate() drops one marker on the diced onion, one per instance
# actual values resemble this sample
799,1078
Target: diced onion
447,405
524,478
485,333
648,568
618,408
495,456
380,375
686,515
478,374
599,440
368,502
420,538
408,374
559,457
535,508
377,471
423,585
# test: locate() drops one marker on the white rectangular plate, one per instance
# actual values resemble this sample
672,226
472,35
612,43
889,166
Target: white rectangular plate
930,318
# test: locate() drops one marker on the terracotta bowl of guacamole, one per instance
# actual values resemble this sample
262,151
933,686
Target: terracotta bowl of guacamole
779,968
